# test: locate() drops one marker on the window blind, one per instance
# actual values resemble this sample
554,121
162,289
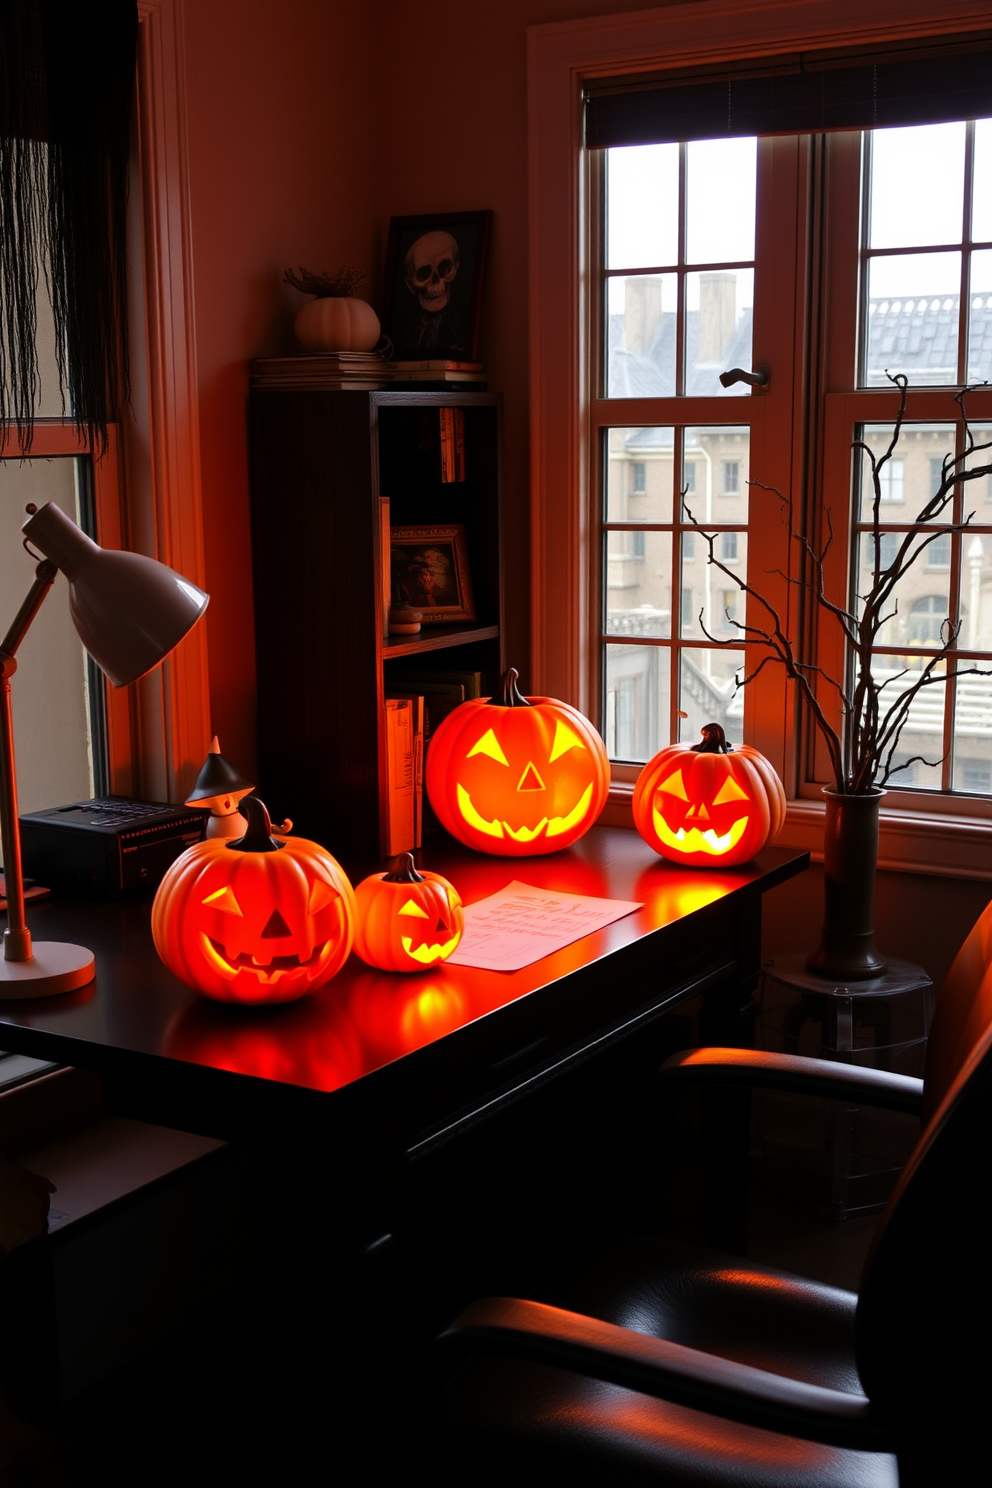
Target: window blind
796,93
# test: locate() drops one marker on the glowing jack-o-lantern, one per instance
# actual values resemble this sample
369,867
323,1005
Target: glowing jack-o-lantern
256,920
407,920
515,775
708,805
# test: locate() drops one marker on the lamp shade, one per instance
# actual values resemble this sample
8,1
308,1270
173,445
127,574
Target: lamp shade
129,610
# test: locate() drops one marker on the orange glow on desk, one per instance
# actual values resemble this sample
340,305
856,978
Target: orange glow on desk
366,1019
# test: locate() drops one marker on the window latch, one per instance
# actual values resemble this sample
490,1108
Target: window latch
761,378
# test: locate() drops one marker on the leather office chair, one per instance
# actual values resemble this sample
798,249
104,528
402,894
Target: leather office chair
650,1362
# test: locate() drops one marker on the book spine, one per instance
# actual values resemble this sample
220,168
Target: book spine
418,771
399,763
449,462
459,432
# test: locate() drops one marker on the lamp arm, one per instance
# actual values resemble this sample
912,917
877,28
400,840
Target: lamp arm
17,936
44,578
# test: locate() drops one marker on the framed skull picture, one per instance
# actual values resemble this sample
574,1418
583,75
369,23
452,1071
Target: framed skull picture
435,272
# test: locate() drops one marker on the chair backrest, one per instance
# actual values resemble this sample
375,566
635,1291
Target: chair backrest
925,1304
963,1013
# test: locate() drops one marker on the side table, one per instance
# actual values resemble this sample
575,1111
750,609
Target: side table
841,1159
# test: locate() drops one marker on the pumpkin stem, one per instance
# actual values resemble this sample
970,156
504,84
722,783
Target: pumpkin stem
510,694
258,837
714,741
404,871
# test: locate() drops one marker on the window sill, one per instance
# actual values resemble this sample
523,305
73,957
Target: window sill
909,841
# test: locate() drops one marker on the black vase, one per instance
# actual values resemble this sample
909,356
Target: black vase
847,950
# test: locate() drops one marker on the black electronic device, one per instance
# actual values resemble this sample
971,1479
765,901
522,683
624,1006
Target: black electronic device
110,844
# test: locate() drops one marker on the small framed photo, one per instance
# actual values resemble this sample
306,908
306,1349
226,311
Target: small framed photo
429,568
435,273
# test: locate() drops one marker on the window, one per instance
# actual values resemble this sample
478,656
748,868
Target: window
798,444
638,478
731,478
892,481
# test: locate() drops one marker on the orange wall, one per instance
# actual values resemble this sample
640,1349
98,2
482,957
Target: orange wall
279,101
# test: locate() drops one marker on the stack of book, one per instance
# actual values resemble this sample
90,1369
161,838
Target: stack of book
416,704
365,371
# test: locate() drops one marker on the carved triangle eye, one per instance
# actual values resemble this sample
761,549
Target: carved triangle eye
674,786
565,739
729,791
224,899
321,895
489,744
410,908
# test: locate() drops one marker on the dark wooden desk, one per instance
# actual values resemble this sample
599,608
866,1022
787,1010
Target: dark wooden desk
415,1058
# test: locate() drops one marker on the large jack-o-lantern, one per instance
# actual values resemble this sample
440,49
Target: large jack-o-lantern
708,805
407,920
256,920
517,776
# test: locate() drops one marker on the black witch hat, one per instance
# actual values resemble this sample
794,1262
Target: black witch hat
217,777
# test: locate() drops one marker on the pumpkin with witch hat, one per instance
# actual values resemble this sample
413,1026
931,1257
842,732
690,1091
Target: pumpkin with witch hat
255,920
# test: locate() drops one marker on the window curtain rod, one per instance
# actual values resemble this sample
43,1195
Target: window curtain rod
796,93
67,73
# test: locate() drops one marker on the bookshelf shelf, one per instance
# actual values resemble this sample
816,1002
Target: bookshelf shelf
321,463
436,638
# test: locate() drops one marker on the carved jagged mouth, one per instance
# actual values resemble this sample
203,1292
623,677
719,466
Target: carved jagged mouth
553,826
695,840
427,954
271,970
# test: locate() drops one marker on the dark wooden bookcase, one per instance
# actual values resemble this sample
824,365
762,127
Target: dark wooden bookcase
320,463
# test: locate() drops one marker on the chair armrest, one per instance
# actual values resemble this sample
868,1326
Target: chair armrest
794,1072
667,1371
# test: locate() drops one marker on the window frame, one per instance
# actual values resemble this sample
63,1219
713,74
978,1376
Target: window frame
563,224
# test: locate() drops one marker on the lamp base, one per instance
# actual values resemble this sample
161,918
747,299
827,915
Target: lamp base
55,966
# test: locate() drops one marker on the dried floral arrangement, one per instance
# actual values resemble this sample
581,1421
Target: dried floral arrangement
873,715
326,286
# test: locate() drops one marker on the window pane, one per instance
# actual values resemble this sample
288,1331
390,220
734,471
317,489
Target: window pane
721,176
711,602
980,318
708,691
978,492
976,593
638,701
972,750
715,468
920,603
981,222
49,692
909,479
639,474
641,336
639,584
917,186
913,303
923,734
642,193
719,309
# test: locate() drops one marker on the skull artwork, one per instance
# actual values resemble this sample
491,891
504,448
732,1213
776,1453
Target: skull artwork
431,265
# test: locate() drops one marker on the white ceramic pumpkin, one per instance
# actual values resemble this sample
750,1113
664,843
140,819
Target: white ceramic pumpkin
337,323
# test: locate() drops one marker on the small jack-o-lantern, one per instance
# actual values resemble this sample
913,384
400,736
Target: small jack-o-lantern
517,775
256,920
708,805
407,920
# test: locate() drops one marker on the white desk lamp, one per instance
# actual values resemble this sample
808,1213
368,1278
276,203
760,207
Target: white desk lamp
130,612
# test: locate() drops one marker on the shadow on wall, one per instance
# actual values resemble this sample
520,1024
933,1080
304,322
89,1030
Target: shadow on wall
918,918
